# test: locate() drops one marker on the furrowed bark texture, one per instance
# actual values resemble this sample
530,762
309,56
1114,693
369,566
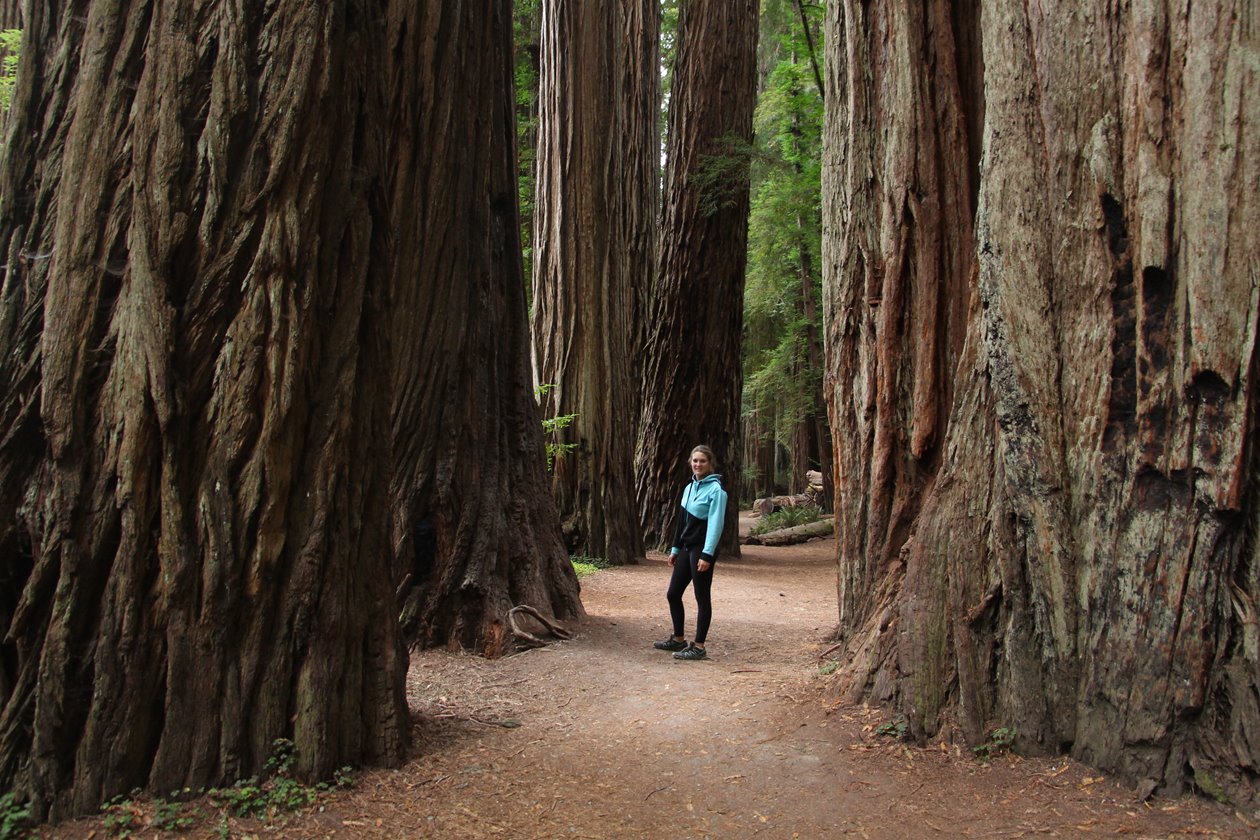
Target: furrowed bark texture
194,468
1046,494
10,14
583,291
693,376
475,525
641,171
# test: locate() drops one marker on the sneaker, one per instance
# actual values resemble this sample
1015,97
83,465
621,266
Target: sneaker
670,644
691,652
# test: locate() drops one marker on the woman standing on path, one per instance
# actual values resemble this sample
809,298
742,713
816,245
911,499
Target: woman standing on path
694,552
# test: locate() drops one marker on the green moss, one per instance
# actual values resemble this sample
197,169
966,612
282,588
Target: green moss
1209,786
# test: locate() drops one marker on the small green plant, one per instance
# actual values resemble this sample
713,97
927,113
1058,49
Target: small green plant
279,792
13,817
170,816
552,426
10,48
585,566
1001,740
122,816
828,668
898,730
786,518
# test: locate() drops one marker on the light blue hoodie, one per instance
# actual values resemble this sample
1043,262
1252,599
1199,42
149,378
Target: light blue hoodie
705,499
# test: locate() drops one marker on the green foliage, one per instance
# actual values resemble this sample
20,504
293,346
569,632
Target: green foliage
552,427
828,668
10,48
122,816
786,518
784,232
1001,740
585,566
898,729
526,23
14,817
277,794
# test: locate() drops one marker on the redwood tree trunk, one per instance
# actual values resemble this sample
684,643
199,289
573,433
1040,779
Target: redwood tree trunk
584,294
474,523
1061,541
693,375
641,171
194,459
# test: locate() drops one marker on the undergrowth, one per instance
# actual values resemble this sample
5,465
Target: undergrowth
585,566
14,817
786,518
274,794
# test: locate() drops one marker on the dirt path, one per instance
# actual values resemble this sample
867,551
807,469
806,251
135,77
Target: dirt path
602,737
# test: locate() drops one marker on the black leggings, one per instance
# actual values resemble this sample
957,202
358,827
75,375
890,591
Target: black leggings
685,573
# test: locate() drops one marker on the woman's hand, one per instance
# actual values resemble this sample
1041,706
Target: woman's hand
671,559
703,565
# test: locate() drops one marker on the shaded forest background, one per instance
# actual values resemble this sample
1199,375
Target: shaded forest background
351,352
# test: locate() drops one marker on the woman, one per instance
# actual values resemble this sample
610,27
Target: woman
694,552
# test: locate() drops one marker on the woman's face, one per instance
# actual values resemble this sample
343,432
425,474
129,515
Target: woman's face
700,465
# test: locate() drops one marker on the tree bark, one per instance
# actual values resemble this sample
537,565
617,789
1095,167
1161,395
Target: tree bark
475,527
194,459
641,172
693,375
1064,534
10,14
584,295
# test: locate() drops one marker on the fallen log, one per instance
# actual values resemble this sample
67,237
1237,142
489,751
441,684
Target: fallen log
793,535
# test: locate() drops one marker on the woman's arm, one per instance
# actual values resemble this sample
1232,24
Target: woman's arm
713,531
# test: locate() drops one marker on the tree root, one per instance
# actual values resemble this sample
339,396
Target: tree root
527,639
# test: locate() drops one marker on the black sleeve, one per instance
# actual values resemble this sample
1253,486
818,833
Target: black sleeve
680,521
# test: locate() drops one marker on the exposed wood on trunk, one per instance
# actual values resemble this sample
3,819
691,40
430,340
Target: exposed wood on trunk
584,294
1061,537
474,521
693,374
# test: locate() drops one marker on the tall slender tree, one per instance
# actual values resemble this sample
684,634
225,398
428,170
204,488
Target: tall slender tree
641,170
1044,376
692,377
475,526
584,297
194,410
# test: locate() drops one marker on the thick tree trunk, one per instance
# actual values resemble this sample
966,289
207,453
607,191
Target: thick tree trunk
194,460
10,14
583,294
641,171
1064,537
693,373
475,526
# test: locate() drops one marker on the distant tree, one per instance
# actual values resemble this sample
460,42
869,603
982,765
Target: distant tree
194,401
1041,321
641,167
692,376
584,297
475,526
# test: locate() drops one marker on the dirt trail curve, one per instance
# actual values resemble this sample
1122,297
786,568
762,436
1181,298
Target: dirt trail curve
604,737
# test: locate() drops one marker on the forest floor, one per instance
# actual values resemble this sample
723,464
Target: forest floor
604,737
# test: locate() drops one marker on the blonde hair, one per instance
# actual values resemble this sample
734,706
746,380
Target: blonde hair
707,451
